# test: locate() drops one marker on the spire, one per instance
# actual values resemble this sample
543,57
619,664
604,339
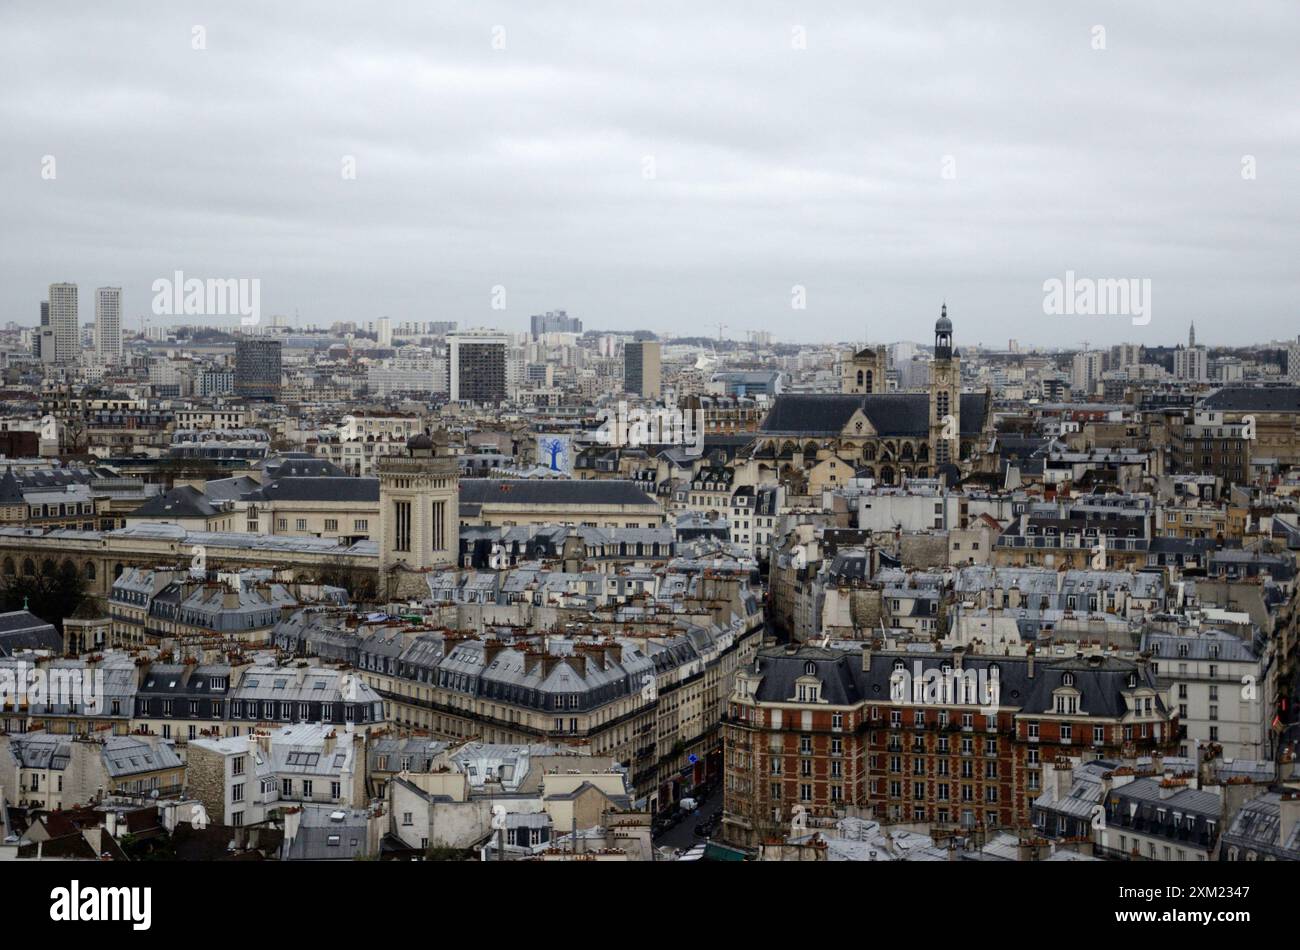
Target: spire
1191,336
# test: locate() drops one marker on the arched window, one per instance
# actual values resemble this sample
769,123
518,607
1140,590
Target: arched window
859,377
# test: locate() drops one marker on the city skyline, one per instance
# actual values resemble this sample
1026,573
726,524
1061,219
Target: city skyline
388,324
665,172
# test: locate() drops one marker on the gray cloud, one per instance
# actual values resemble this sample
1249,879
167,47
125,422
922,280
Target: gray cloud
773,166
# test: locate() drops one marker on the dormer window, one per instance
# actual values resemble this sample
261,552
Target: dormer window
1068,679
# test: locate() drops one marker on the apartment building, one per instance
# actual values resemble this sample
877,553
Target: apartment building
921,738
244,780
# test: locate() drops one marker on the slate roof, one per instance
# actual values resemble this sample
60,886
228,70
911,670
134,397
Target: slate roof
126,755
892,414
1257,826
295,466
1100,681
322,838
1272,399
537,491
323,488
21,630
11,493
184,502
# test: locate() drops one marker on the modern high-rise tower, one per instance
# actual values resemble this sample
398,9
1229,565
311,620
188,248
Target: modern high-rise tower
63,321
642,371
257,367
476,367
108,323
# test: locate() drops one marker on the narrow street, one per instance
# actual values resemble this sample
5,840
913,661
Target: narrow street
682,835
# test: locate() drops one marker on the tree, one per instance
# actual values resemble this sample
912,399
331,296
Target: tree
342,572
53,594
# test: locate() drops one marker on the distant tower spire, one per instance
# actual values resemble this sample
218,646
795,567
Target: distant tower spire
1191,335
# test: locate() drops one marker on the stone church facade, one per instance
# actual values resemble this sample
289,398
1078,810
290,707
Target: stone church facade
888,436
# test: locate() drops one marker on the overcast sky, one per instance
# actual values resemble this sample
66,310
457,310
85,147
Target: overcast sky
663,166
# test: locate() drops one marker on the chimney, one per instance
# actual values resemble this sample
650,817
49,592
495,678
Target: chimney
866,657
549,662
1030,654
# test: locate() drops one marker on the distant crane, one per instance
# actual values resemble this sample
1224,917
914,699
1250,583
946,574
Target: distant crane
721,327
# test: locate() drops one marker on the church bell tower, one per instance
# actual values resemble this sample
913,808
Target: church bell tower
945,394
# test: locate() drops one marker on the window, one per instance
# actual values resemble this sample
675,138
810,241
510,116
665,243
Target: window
331,524
402,521
237,792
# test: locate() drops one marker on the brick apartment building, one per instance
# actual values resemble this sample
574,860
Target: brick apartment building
941,739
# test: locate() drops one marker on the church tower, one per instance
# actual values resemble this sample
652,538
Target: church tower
864,371
945,395
419,514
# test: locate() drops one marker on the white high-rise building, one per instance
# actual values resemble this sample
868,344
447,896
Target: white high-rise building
1293,362
1085,371
108,323
63,321
385,331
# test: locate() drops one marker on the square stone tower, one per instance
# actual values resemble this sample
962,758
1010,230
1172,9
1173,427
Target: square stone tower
419,514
